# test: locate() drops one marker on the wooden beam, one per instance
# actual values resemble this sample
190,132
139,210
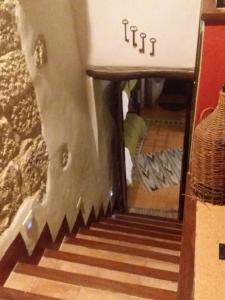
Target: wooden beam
212,14
118,73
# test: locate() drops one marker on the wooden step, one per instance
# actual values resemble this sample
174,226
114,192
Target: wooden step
123,249
140,232
108,230
112,265
129,239
154,222
149,227
127,244
148,217
96,283
104,273
120,257
45,287
12,294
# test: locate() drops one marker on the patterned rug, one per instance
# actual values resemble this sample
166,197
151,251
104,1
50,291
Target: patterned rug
167,122
163,213
159,170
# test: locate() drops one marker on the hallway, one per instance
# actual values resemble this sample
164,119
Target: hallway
167,132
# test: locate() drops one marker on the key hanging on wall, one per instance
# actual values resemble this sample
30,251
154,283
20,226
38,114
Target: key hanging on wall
125,23
143,37
134,29
153,42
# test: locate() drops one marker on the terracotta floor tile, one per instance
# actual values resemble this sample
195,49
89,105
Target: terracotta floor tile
159,137
136,235
89,294
134,245
20,282
107,274
55,289
136,260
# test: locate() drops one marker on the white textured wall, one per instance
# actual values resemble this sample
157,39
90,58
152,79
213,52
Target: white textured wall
68,117
174,23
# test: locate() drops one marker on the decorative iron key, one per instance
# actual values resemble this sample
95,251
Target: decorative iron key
134,29
143,37
153,41
125,23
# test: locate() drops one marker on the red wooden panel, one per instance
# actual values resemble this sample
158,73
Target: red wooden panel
212,74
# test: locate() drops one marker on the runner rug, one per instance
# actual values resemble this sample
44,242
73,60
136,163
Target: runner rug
159,170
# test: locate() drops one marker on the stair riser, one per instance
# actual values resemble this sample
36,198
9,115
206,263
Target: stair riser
137,231
97,283
112,265
169,225
122,238
141,226
124,250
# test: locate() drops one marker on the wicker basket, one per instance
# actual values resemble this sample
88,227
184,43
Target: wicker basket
208,156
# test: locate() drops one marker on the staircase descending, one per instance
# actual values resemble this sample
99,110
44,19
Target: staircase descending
122,257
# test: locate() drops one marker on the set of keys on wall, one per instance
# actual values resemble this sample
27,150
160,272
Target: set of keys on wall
143,37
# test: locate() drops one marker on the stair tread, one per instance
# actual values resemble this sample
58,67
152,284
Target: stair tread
126,244
97,271
148,217
154,222
126,250
141,232
113,230
12,294
141,241
112,265
119,257
65,291
96,283
136,225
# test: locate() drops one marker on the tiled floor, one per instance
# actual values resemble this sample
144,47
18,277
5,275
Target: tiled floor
159,137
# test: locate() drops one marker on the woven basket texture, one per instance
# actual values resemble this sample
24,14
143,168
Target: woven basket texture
208,157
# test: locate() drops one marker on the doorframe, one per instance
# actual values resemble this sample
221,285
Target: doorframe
117,78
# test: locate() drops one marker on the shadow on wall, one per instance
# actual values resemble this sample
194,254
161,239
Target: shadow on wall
67,115
101,98
82,25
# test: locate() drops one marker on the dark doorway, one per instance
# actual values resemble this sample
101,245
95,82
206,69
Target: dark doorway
175,100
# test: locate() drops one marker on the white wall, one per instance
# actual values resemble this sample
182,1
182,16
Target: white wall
68,118
174,23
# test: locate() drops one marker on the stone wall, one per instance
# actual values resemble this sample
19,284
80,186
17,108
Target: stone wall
48,102
23,152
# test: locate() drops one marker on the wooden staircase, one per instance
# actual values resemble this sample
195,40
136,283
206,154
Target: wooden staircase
122,257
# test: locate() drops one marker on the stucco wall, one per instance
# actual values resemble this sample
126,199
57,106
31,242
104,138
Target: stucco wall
174,23
67,122
209,270
210,219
